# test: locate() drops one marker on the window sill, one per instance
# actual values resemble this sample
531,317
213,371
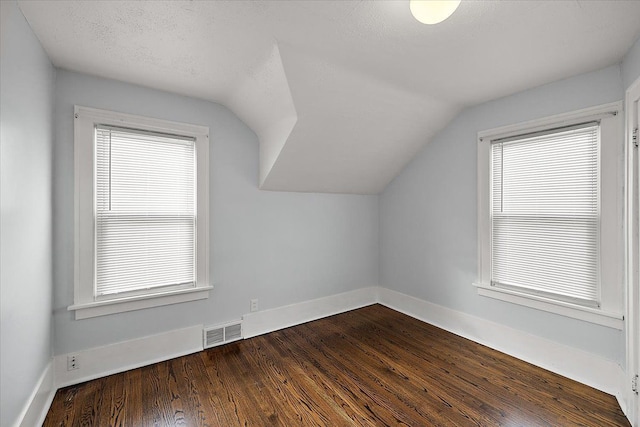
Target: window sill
592,315
103,308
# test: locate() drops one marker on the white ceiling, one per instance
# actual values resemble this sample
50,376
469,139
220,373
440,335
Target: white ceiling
342,94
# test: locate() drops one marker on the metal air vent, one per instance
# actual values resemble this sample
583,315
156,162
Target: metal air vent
221,334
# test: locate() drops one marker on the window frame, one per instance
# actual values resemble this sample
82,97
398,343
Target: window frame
86,303
611,251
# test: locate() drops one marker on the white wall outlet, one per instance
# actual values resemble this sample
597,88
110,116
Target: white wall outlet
72,362
254,305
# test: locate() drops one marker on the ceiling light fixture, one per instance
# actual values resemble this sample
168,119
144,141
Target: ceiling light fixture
432,11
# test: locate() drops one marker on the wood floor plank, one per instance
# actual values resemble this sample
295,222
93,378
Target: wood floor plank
237,380
199,394
459,382
514,376
367,400
133,407
368,367
117,402
157,408
371,401
413,380
393,406
64,406
280,376
178,412
338,398
211,388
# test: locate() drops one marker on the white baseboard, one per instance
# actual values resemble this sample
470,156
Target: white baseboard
119,357
263,322
579,365
623,395
36,408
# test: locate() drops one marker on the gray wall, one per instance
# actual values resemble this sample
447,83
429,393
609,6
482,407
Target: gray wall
631,65
26,105
428,215
281,248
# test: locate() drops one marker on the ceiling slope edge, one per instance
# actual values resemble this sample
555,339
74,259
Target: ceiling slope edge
263,101
355,131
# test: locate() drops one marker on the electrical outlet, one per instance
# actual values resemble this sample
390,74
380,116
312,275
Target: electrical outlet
254,305
72,362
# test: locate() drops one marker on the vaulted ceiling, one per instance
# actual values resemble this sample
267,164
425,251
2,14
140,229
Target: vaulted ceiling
341,94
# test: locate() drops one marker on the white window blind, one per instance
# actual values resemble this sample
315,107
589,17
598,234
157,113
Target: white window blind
545,213
145,211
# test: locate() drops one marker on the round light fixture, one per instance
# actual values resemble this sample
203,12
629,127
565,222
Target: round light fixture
433,11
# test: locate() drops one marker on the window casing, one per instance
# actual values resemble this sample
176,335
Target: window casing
141,194
549,214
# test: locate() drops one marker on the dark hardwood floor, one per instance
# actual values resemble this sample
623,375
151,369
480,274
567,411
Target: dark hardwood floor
371,367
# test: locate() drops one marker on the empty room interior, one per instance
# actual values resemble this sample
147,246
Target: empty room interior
221,213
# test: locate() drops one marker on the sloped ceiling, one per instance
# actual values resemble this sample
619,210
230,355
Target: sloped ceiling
342,94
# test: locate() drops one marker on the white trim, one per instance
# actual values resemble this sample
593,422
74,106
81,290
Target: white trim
98,362
610,236
102,308
262,322
37,406
588,314
84,300
579,365
621,395
563,119
632,97
576,364
153,124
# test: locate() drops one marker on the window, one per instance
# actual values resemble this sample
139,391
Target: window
549,215
544,213
141,212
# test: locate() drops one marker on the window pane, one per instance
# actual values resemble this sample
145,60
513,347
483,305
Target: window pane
145,211
544,215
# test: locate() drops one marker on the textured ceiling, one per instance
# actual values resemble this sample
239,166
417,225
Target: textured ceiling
342,94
